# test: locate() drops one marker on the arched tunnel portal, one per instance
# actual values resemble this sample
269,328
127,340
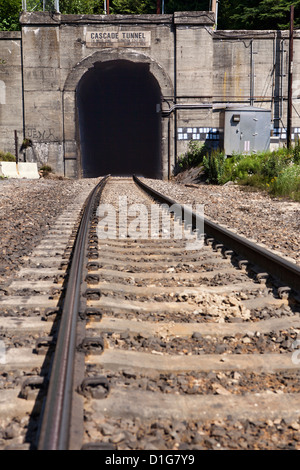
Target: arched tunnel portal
119,103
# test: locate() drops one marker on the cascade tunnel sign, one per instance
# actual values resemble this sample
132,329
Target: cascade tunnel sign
118,38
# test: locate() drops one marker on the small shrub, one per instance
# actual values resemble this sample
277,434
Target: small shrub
193,156
287,184
274,163
246,167
214,166
7,157
46,169
296,152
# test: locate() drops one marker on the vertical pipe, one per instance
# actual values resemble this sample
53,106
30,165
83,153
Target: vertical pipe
273,80
175,97
214,4
251,74
107,6
23,89
16,147
290,81
163,7
169,153
282,51
105,10
158,7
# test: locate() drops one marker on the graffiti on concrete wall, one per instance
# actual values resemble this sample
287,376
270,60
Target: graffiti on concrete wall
41,135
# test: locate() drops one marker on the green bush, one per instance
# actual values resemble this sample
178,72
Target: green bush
46,169
274,163
296,152
276,172
287,183
214,166
193,156
237,168
7,157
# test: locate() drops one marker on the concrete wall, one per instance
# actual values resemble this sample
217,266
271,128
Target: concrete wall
248,68
199,71
42,93
58,54
11,112
251,68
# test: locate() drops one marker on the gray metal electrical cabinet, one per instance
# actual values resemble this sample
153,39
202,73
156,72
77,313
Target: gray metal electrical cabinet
246,129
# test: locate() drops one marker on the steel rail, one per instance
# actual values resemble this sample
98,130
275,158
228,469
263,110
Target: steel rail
287,272
54,434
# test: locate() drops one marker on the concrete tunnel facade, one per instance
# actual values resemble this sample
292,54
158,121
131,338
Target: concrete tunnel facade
128,93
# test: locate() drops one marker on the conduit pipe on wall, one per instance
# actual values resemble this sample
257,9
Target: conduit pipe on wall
290,79
106,7
214,5
158,7
186,106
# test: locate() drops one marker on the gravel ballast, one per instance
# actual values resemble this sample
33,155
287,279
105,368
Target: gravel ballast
27,209
273,222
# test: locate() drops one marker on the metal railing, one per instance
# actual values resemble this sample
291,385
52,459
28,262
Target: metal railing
41,5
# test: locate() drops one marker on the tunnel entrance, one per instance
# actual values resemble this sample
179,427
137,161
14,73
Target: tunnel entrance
120,120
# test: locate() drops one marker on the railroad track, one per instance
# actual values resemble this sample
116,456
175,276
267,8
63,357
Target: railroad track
171,345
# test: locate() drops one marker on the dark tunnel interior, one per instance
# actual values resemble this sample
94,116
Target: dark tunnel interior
120,120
